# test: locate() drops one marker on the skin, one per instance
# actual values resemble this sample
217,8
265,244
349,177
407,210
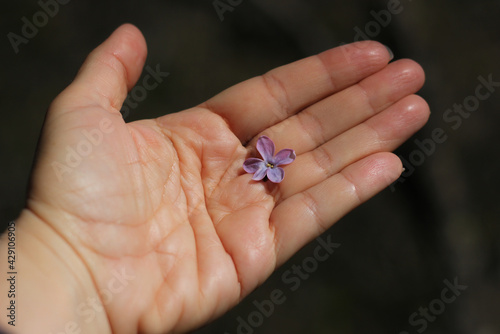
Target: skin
165,205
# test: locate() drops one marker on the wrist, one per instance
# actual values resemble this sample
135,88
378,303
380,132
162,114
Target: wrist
46,284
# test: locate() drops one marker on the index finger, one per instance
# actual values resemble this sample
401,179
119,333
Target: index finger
258,103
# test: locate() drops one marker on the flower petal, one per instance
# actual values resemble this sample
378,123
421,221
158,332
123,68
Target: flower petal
265,146
252,165
275,175
284,157
260,174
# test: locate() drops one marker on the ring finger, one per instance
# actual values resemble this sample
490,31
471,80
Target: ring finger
381,133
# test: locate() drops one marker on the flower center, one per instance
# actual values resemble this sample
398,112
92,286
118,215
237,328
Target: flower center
270,165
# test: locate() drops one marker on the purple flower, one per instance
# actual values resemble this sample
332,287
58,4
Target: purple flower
269,166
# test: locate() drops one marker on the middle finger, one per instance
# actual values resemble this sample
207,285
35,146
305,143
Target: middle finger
338,113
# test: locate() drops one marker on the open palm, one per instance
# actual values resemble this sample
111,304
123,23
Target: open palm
171,229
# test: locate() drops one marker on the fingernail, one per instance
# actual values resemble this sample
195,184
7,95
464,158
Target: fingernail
391,54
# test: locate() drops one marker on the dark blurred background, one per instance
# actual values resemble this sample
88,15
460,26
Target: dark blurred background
406,256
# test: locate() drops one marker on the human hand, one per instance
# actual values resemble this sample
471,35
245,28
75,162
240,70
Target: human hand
166,203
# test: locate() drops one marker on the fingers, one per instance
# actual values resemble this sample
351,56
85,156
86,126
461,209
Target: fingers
108,72
337,113
307,214
258,103
382,133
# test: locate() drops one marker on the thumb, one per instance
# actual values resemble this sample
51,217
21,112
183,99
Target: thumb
107,74
94,97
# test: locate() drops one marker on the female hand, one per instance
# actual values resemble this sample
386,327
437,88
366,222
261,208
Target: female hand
153,226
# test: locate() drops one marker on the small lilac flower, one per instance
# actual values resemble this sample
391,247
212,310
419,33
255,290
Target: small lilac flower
269,166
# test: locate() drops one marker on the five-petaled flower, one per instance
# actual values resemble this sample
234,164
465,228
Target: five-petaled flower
269,164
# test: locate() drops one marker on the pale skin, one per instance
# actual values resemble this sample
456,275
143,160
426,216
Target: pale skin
166,203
